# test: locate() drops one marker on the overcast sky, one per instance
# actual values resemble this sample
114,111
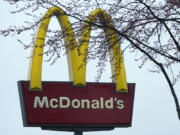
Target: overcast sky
154,109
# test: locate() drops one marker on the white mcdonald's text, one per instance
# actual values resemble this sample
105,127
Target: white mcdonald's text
66,102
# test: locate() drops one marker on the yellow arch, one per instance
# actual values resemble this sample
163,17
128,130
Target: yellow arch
36,63
76,74
116,58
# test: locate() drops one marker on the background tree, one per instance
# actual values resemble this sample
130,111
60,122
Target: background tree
148,28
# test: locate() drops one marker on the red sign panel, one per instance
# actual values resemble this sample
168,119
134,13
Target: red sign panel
62,104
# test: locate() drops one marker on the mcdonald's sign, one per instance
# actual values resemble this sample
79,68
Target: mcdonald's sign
76,103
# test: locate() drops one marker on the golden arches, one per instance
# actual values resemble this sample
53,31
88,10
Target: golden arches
76,74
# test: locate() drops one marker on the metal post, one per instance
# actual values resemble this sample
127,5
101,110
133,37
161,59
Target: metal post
78,133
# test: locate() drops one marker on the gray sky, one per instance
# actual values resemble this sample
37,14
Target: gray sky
154,108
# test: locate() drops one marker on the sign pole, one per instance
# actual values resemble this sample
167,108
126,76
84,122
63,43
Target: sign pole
78,133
